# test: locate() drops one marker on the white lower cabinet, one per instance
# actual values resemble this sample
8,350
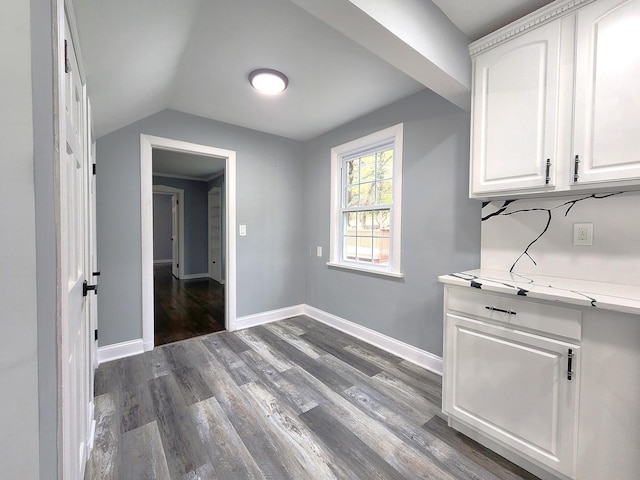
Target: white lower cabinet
553,387
510,381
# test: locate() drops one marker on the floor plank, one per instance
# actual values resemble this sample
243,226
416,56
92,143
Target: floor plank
295,399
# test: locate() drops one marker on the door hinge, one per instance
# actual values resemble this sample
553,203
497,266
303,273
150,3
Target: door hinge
575,168
67,64
95,335
177,265
93,166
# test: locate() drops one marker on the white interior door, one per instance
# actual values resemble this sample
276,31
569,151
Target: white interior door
76,391
175,237
215,234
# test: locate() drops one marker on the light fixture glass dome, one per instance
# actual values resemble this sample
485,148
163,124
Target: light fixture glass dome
268,81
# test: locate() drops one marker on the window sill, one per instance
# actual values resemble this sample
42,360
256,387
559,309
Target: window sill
357,268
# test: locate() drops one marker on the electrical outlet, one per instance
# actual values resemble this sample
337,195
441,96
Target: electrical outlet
583,233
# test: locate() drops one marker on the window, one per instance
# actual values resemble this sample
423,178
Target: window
366,187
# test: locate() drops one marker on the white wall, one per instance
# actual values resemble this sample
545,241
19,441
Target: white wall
614,256
19,446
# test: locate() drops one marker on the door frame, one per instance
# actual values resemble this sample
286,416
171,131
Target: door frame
164,189
212,190
147,144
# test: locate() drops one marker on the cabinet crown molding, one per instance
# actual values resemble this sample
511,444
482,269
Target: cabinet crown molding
533,20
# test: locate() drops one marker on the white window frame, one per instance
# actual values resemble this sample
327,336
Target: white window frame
393,135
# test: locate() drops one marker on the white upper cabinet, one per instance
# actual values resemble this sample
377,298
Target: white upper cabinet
515,110
555,104
607,97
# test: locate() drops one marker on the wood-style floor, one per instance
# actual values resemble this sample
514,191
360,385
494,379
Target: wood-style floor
294,399
185,308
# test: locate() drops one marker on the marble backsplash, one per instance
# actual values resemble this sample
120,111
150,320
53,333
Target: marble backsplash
535,236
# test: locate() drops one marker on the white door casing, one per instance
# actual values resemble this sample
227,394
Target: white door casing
215,234
73,198
147,144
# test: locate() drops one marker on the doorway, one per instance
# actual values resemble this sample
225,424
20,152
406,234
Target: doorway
148,145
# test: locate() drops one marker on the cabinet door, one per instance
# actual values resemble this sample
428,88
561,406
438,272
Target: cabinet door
607,108
515,109
513,387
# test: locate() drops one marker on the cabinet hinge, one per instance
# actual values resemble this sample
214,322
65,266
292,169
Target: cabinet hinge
67,64
576,165
547,178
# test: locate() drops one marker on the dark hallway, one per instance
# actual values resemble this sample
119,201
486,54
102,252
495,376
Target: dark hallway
185,308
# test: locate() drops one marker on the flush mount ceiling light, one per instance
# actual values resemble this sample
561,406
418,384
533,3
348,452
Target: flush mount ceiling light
268,81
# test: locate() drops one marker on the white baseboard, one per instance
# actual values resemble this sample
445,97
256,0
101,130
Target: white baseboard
267,317
192,276
162,261
403,350
120,350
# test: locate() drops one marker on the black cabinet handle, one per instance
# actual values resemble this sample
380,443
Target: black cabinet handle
496,309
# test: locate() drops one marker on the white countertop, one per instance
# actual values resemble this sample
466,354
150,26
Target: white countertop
607,296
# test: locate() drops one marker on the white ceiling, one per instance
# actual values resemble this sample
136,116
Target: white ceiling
143,56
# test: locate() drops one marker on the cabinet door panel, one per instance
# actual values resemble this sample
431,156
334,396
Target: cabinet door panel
513,386
607,113
515,107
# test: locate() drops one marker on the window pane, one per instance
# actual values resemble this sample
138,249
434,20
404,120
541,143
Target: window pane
352,172
368,168
367,194
384,192
385,164
364,249
352,198
381,251
365,220
350,224
382,223
349,248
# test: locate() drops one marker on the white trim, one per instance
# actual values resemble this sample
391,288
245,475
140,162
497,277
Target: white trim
358,268
147,143
268,317
192,276
167,260
188,177
395,134
120,350
422,358
167,190
217,191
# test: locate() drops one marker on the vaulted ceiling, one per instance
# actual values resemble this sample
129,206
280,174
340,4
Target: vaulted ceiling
342,58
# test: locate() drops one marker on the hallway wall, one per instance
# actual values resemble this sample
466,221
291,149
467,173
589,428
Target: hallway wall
270,260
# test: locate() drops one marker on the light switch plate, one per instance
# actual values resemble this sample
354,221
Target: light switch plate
243,230
583,233
319,251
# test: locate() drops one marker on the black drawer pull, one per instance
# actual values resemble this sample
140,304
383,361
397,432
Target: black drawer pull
496,309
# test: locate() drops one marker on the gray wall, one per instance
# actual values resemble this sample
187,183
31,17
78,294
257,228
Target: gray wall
162,228
19,425
195,222
440,227
270,259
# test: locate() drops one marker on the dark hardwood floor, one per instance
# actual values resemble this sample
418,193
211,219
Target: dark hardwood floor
294,399
185,308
